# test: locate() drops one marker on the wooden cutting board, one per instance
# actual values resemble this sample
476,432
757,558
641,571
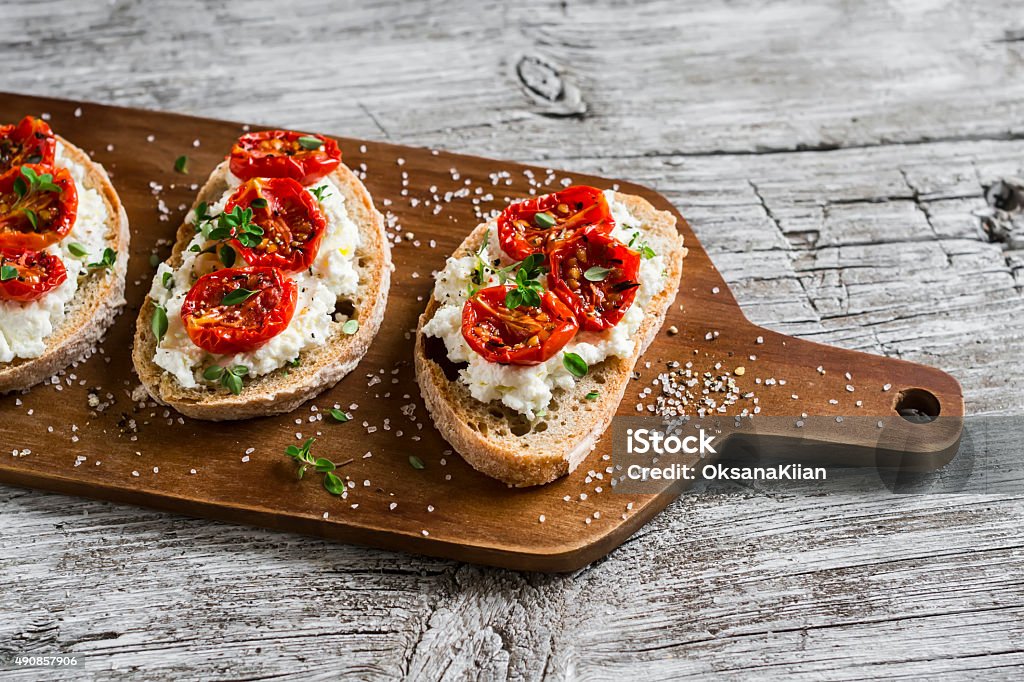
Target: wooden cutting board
84,434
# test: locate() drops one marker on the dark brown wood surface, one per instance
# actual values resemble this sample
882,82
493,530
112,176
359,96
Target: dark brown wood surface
136,454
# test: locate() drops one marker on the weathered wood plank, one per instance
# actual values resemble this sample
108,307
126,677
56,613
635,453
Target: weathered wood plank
870,246
653,77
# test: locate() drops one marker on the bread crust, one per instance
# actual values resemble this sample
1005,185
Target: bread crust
97,302
322,367
475,429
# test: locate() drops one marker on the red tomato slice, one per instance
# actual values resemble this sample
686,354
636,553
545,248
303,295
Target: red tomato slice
521,233
284,154
38,206
29,275
31,141
293,224
236,310
524,336
596,275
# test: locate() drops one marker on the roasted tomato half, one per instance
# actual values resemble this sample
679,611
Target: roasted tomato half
28,275
533,225
236,310
596,275
293,224
524,336
38,206
31,141
284,154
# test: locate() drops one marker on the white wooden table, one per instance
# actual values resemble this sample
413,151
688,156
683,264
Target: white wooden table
807,144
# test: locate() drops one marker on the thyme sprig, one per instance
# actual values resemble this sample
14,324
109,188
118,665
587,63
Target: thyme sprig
525,274
305,460
28,183
236,224
528,288
641,246
229,377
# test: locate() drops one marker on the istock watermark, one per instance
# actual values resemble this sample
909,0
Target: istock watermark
817,455
16,661
643,441
721,472
659,442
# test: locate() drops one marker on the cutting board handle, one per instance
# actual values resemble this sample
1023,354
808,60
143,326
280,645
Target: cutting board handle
853,408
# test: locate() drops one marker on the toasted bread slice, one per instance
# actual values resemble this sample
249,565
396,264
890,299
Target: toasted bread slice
321,367
96,303
502,443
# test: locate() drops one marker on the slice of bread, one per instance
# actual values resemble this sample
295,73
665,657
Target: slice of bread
502,443
97,302
321,367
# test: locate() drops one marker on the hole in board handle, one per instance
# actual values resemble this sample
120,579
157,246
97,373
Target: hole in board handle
918,406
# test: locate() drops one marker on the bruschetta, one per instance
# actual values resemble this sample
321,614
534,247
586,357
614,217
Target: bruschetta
275,287
63,253
536,323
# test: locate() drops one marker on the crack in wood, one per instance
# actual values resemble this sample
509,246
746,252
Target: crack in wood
810,148
1011,35
764,205
376,121
923,210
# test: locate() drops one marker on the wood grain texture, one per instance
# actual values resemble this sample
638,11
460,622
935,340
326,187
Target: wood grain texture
905,111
